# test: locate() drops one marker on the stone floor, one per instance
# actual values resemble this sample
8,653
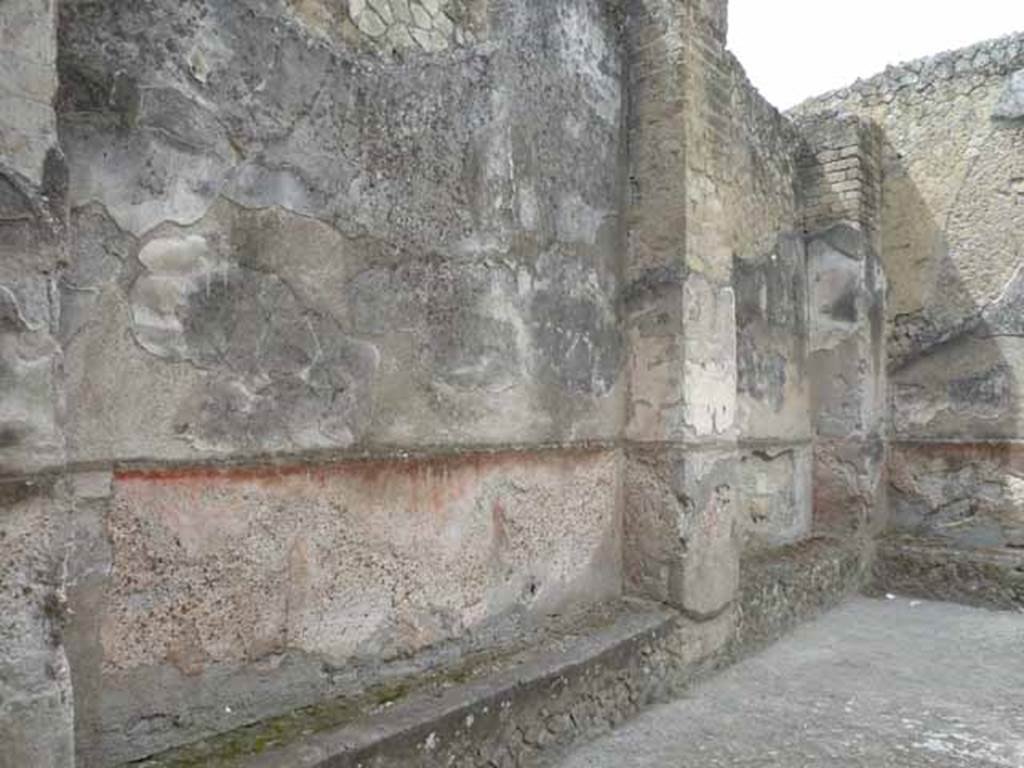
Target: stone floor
875,683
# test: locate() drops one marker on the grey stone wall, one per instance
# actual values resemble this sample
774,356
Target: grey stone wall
315,333
36,707
431,237
296,239
951,229
36,716
345,340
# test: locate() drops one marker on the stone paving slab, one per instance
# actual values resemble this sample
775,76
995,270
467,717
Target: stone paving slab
895,683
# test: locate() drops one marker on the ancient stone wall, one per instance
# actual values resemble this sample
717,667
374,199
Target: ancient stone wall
35,685
344,341
952,243
333,322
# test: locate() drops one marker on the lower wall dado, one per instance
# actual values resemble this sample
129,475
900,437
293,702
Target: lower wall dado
210,597
969,492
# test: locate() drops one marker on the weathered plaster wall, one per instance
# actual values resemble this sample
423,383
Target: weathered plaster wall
36,720
363,259
344,339
952,241
347,246
213,597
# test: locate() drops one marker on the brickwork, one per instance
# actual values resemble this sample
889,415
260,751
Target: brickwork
841,174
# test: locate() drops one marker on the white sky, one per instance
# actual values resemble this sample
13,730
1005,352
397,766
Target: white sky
794,49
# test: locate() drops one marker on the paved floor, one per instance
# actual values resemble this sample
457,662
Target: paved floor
874,684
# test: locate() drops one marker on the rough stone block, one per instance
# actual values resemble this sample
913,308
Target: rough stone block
600,670
234,594
519,709
780,588
680,527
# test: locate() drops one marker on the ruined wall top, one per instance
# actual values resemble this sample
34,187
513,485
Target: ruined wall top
914,80
716,12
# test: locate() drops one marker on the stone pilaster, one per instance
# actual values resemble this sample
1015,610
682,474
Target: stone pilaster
841,188
680,529
36,718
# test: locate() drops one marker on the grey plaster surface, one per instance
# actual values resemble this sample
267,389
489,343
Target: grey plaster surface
874,683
